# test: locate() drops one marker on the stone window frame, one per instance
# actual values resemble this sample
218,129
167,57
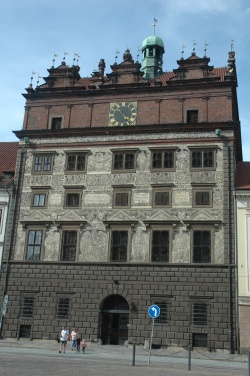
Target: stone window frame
124,152
76,153
191,114
119,190
43,154
62,298
202,227
69,228
24,298
123,226
161,227
202,150
163,188
52,119
194,321
35,227
39,191
164,303
72,190
202,189
163,150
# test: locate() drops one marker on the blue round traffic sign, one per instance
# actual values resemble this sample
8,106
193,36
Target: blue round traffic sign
154,311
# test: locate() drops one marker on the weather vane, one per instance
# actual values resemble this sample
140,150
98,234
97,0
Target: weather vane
55,55
116,54
154,24
205,48
37,82
194,44
232,45
75,55
138,54
65,53
31,78
183,46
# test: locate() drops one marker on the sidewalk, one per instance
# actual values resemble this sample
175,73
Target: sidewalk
109,360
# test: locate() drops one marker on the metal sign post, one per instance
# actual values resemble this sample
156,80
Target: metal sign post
153,311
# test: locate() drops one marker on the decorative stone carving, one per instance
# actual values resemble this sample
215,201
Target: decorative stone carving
26,199
181,246
96,199
142,179
143,160
182,160
140,198
57,182
51,245
94,245
59,163
181,197
162,177
203,177
140,245
182,178
120,179
20,244
40,180
98,181
29,162
55,199
218,247
75,179
100,161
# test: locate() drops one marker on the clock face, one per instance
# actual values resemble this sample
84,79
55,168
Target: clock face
122,113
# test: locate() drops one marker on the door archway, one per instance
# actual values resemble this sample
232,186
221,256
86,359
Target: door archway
114,320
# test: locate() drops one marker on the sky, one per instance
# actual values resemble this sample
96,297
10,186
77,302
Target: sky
32,31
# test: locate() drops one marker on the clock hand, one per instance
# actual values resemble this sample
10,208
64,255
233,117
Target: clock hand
123,115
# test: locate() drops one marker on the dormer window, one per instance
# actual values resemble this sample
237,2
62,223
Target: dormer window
56,123
192,116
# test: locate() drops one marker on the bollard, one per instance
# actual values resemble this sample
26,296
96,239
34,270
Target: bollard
133,361
248,363
189,357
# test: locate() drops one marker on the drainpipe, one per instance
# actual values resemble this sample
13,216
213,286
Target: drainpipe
230,265
236,276
5,289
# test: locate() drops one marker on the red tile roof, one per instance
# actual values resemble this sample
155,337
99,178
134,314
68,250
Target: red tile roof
8,156
243,175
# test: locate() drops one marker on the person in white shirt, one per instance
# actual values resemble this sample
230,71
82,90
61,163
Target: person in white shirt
63,339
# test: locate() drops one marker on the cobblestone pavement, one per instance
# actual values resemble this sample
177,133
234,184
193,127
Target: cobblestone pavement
26,358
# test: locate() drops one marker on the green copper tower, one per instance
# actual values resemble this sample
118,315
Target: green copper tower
152,52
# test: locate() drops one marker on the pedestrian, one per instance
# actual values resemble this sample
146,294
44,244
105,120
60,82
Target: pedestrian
83,345
73,336
63,339
78,343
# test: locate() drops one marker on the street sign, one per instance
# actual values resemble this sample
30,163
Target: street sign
154,311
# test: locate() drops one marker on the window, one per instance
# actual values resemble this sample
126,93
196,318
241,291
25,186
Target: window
202,197
201,246
160,246
63,308
72,200
69,244
34,244
163,160
199,340
122,198
161,197
200,314
39,199
56,122
192,116
42,163
163,317
124,161
202,159
76,162
119,245
27,307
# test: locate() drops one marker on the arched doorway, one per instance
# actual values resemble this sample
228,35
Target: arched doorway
114,320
